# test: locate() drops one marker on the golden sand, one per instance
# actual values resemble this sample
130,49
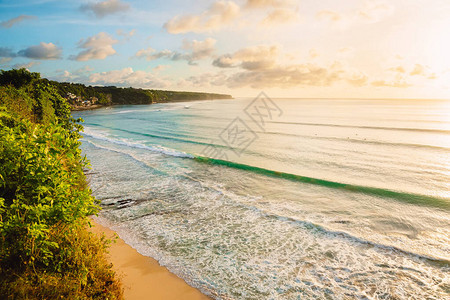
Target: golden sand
143,277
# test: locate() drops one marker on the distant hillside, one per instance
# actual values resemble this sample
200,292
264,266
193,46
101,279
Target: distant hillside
81,96
143,96
116,95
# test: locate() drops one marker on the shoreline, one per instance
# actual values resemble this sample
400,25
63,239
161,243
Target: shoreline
97,106
91,107
143,277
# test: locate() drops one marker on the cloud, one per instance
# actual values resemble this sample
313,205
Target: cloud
398,69
277,76
357,79
42,51
104,8
27,65
11,22
128,77
79,75
346,52
126,35
200,49
250,58
195,50
396,83
329,15
313,53
424,71
421,70
284,77
375,11
280,16
160,68
266,3
207,79
280,11
259,67
416,70
7,52
97,47
4,60
371,12
225,61
152,54
406,76
215,17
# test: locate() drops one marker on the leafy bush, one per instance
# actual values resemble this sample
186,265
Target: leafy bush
45,250
18,101
18,77
40,168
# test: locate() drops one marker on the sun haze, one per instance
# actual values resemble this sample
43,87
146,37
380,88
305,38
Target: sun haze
288,48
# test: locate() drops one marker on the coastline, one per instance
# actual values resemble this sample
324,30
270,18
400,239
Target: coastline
98,106
142,276
91,107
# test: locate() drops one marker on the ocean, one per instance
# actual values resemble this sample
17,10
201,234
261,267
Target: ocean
281,198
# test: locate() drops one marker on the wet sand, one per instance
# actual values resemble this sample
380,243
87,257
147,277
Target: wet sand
143,277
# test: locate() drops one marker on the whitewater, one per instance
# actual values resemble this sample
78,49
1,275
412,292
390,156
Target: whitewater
282,199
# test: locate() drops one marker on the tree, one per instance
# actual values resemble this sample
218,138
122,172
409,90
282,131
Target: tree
18,77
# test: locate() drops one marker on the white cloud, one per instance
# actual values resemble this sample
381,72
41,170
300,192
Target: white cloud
260,67
345,52
152,54
128,77
11,22
277,76
357,78
200,49
399,82
267,3
7,52
329,15
79,75
375,11
195,50
104,8
372,11
406,76
27,65
126,35
218,15
313,53
421,70
4,60
97,47
280,16
207,79
251,58
160,68
42,51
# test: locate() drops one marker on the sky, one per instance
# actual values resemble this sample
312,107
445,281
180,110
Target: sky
286,48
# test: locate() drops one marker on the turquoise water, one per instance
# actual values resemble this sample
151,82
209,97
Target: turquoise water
297,198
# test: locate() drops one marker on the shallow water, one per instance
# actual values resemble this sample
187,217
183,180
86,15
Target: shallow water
330,199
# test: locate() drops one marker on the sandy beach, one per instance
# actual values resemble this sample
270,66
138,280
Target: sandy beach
143,277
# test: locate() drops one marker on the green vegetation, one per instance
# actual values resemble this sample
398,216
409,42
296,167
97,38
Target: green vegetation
46,251
77,94
142,96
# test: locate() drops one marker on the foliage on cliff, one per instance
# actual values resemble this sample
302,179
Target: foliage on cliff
106,95
46,251
143,96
